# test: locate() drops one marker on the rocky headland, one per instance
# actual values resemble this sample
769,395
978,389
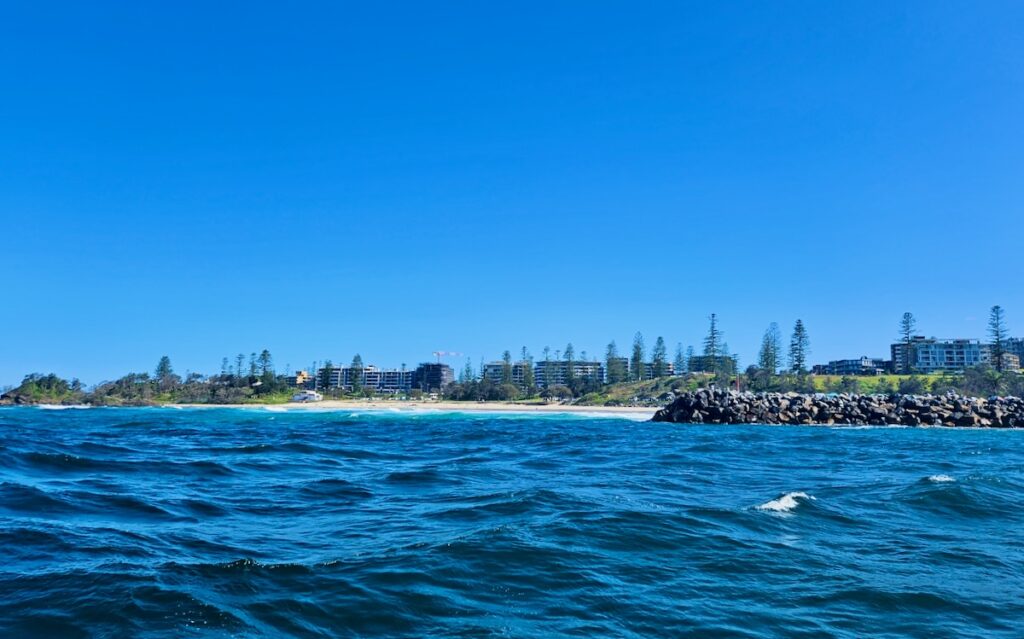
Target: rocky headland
718,406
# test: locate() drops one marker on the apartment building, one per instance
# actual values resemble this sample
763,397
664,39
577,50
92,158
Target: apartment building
935,355
495,372
857,367
551,372
368,377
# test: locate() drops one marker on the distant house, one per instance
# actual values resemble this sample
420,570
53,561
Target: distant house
301,379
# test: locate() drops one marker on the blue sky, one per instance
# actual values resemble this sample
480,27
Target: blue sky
325,179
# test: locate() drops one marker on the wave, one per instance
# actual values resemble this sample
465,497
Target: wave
335,488
419,476
28,499
786,503
69,463
66,462
119,505
940,479
63,406
202,508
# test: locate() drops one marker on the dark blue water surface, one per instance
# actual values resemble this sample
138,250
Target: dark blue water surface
256,523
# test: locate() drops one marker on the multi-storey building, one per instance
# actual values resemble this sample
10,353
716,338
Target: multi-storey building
557,371
432,377
1015,346
934,355
670,369
369,377
517,371
862,366
1011,362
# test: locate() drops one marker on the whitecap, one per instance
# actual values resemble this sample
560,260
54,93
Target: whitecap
939,479
62,406
785,503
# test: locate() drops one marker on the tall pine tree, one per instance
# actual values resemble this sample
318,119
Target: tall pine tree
771,347
659,358
636,361
799,349
680,359
613,364
907,326
997,335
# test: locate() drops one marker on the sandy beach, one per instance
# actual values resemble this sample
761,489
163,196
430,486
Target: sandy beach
457,407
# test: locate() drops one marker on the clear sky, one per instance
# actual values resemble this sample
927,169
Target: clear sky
398,178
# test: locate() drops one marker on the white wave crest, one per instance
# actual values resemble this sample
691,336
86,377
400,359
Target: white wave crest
786,503
939,479
63,406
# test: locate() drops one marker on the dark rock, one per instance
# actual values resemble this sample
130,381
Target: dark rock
711,405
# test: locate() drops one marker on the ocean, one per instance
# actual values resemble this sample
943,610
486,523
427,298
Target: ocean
160,522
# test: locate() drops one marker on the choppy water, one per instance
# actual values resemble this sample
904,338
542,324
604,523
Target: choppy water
254,523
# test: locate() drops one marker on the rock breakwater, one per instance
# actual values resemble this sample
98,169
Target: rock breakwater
718,406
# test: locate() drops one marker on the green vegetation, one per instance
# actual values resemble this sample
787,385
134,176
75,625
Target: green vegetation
979,382
259,384
46,389
624,375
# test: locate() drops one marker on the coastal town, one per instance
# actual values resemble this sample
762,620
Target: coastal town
925,356
915,364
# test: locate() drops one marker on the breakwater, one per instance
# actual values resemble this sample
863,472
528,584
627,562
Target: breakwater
718,406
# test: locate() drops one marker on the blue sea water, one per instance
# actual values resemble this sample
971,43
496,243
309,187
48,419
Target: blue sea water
256,523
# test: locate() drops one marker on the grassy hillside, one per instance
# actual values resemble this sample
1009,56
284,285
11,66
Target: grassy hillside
651,392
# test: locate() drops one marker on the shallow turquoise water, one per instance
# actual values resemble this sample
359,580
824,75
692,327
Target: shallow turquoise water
254,523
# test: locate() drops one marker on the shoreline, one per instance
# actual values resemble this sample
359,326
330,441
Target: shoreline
438,407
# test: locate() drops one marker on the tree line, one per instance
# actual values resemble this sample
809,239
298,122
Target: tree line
256,380
780,366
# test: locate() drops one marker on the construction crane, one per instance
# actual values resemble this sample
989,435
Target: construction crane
440,354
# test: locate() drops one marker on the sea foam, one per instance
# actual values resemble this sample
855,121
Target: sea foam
63,406
785,503
939,479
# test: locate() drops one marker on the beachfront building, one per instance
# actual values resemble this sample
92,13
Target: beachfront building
557,371
496,372
432,377
369,377
855,367
934,355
